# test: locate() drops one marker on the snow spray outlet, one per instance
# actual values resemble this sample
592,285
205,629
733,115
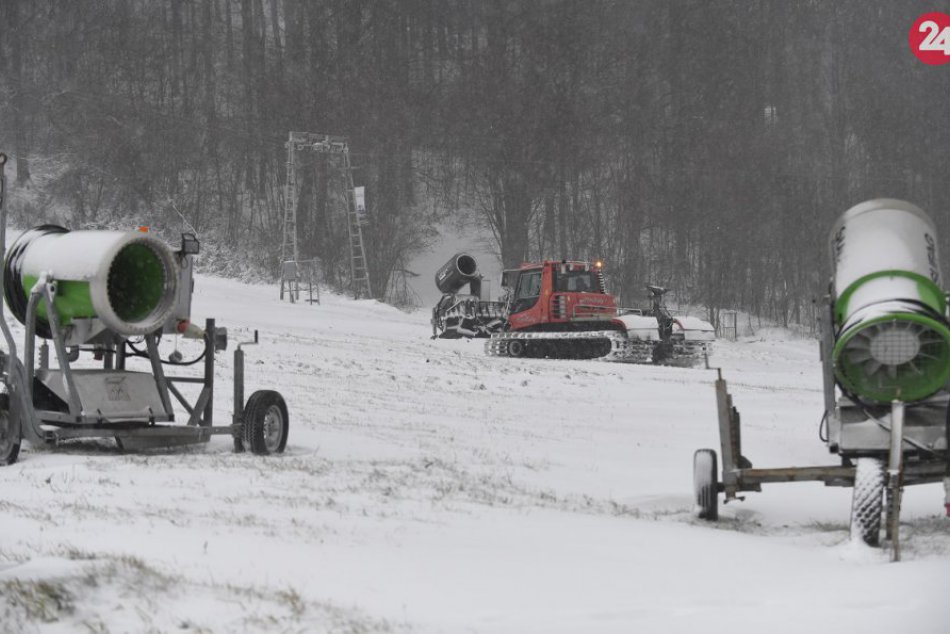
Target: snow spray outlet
126,279
461,269
892,339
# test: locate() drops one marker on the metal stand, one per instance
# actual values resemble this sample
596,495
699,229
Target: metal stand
290,280
135,408
50,405
929,466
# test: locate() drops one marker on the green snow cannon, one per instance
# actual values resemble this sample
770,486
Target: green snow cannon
892,340
126,279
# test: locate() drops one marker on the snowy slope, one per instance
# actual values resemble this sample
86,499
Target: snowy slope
429,488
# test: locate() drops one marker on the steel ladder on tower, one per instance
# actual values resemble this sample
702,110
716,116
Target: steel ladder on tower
359,272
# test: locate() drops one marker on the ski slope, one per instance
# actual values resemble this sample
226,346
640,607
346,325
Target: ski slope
429,488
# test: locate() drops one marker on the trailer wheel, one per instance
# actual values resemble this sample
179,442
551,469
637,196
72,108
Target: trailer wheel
9,433
517,348
706,484
866,500
266,423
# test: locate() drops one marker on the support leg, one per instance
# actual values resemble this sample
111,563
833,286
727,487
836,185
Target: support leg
895,472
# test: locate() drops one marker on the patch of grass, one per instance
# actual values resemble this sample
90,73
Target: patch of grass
45,601
827,527
292,599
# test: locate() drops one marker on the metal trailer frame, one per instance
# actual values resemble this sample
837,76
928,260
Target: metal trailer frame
907,442
50,405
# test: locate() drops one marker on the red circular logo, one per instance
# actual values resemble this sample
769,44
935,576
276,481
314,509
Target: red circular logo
930,38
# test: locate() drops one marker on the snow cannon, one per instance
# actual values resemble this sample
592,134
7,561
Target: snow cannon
128,280
461,269
459,314
892,340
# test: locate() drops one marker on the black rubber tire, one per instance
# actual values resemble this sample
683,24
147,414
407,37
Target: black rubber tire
517,348
537,350
867,500
264,410
706,484
9,438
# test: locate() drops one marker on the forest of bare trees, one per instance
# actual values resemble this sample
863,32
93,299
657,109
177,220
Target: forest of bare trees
702,145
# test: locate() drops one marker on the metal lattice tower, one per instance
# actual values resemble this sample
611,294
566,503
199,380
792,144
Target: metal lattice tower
333,146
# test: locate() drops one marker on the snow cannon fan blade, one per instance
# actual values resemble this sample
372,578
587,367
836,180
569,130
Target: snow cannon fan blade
127,280
892,337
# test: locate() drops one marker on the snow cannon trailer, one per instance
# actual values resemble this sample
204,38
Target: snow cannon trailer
885,354
113,295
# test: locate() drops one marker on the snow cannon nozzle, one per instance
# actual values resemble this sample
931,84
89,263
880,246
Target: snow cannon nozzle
127,280
893,339
461,269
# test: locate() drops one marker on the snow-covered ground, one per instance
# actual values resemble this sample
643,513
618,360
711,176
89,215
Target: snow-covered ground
429,488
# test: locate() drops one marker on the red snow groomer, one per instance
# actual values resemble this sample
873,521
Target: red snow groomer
561,310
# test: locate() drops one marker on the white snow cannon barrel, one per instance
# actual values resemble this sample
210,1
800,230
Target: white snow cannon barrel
461,269
126,279
892,339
